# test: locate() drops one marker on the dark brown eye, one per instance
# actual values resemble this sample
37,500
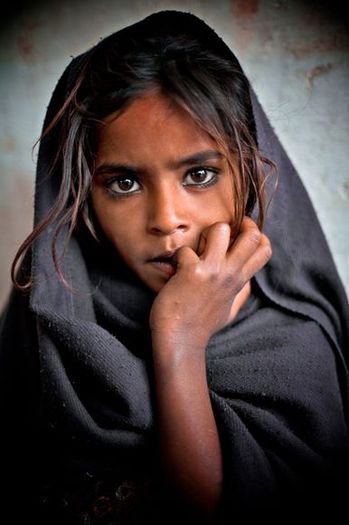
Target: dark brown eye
124,185
200,177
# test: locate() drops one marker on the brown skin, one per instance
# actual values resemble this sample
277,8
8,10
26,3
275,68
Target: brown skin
150,200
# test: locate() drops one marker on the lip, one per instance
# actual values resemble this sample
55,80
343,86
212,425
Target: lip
164,262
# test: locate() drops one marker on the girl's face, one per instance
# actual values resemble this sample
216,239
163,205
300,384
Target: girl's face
160,180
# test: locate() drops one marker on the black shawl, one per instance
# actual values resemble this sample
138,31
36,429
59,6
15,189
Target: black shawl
76,376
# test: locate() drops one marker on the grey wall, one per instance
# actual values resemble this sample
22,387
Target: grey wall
295,53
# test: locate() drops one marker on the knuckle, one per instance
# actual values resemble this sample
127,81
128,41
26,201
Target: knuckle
267,249
254,235
230,281
214,275
247,220
183,250
233,277
197,273
269,253
219,230
211,275
222,227
234,283
184,256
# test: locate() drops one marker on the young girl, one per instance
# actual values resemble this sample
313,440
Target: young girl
158,364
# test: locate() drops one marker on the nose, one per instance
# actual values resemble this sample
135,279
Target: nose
167,211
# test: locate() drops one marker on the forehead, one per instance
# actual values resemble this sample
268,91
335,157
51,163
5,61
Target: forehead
152,124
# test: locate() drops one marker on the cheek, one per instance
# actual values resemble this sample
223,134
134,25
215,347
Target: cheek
116,230
221,206
122,238
228,198
121,232
108,220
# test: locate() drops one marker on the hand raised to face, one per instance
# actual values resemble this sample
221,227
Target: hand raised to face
197,299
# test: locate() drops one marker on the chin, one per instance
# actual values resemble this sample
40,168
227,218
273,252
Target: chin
156,288
155,285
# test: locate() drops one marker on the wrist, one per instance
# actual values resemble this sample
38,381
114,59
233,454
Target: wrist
179,366
176,352
179,341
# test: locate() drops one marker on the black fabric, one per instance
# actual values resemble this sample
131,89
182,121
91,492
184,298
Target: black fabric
76,376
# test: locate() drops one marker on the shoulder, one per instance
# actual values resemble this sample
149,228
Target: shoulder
276,353
272,330
19,365
17,322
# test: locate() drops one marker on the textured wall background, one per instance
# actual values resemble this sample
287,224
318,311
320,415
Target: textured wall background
294,52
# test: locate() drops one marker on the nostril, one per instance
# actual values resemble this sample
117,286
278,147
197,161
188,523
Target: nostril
167,225
168,228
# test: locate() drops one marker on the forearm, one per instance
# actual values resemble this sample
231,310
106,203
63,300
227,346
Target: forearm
194,304
189,440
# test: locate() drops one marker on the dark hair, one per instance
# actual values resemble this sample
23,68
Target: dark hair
213,89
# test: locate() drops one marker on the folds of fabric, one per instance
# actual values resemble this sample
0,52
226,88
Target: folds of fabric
76,365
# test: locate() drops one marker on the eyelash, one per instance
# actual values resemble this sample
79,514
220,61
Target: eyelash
116,194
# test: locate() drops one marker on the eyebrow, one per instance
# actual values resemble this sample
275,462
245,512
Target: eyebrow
194,159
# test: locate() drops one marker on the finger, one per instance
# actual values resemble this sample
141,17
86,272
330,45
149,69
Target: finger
246,243
185,256
202,243
258,259
217,239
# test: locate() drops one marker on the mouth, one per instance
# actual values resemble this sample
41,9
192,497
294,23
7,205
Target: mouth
165,263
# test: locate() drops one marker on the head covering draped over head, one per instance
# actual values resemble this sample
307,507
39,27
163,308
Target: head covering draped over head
76,366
